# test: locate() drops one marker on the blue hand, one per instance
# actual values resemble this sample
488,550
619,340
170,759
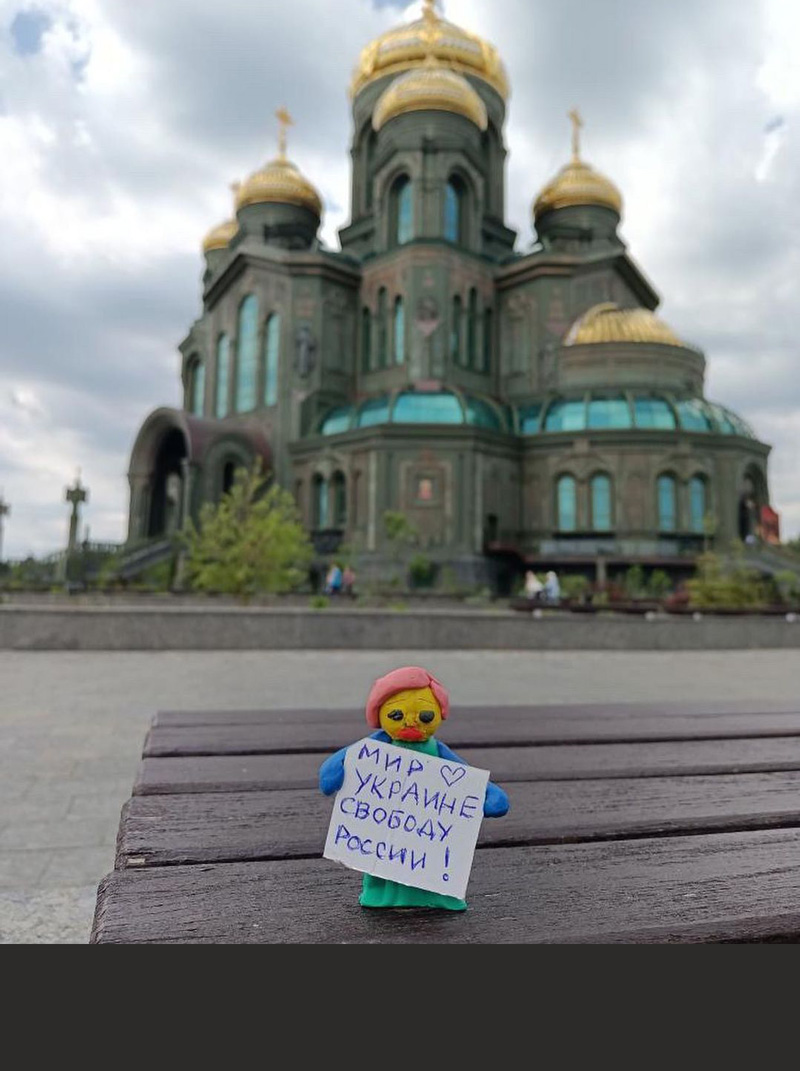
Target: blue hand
495,803
331,773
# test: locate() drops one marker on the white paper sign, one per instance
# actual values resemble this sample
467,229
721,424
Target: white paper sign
408,817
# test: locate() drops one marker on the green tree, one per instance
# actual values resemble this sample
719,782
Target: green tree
400,535
251,542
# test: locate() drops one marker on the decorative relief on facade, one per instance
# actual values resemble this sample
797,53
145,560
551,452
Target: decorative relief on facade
305,360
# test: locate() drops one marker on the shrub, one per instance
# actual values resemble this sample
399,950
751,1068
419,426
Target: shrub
251,542
660,584
734,587
320,602
574,587
634,582
422,571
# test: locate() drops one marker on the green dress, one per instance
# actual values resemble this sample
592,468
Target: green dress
381,892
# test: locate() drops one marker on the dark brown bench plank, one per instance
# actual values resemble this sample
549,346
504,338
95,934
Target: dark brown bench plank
503,728
247,773
171,830
724,887
173,719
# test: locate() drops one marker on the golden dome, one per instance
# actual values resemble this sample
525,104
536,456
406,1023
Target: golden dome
220,237
577,183
610,323
280,182
431,87
408,46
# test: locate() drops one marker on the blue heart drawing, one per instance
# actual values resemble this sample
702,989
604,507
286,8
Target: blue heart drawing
452,774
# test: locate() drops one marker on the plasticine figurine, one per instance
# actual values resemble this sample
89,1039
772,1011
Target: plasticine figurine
408,705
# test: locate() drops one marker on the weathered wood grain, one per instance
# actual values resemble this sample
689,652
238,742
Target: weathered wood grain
284,824
724,887
248,773
173,719
497,729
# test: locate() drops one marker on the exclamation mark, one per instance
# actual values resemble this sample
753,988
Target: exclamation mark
446,877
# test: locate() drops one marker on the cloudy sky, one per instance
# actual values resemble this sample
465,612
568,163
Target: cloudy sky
122,125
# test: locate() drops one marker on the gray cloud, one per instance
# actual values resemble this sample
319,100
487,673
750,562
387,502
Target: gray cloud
119,138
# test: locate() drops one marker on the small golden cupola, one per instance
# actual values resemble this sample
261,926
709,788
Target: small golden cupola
407,47
219,238
280,182
577,184
431,87
609,323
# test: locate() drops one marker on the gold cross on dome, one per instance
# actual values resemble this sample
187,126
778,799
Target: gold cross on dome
577,126
285,120
429,11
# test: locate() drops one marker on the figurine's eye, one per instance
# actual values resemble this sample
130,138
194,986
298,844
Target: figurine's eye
396,715
426,717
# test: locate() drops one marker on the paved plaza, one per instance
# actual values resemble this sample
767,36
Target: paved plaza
72,727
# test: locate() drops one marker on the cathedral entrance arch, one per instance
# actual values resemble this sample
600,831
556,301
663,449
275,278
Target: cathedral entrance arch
159,468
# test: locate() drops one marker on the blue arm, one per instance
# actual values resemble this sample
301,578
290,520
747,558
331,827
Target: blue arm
331,772
495,802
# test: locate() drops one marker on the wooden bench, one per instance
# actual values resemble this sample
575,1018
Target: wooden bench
627,824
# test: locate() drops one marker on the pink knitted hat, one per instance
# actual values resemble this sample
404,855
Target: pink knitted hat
399,680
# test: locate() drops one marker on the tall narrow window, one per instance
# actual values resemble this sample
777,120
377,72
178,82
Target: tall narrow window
272,346
601,504
399,331
321,515
697,504
667,504
401,212
472,330
454,203
196,386
383,334
567,504
339,488
455,331
223,376
488,340
366,340
247,364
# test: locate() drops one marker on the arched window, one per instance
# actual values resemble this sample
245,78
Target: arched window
383,334
321,511
698,505
399,331
488,340
472,330
667,504
455,198
247,364
602,512
196,386
272,346
339,487
366,340
228,476
223,376
401,212
567,504
455,335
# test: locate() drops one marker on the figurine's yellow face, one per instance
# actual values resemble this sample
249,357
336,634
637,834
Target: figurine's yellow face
412,716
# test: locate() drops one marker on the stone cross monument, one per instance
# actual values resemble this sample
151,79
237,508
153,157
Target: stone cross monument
76,496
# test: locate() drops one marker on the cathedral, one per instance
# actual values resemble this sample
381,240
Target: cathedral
523,410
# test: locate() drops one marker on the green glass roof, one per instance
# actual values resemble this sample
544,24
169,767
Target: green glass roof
641,412
593,412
